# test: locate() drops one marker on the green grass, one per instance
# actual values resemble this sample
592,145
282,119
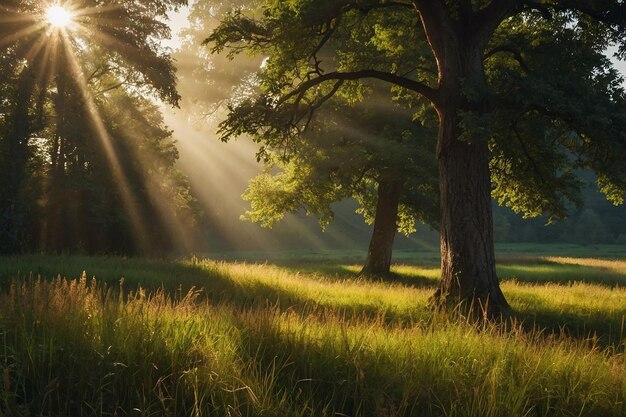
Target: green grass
306,337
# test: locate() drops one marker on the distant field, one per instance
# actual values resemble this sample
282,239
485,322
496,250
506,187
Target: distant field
430,252
299,334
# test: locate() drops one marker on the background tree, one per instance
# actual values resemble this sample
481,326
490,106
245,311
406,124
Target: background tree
207,82
74,109
460,39
370,152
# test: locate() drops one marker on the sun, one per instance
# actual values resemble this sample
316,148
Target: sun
58,17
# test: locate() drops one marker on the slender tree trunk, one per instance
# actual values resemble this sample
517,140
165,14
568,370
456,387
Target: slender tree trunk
378,260
12,209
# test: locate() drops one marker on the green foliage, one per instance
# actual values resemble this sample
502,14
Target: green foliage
596,221
88,156
327,155
550,105
347,152
556,116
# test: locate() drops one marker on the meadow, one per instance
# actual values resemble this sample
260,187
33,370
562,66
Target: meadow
304,335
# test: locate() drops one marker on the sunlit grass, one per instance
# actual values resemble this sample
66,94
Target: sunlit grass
214,338
611,265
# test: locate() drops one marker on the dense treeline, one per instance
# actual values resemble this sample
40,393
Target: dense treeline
595,221
87,163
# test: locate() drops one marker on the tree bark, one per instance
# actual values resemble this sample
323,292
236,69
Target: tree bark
378,260
468,269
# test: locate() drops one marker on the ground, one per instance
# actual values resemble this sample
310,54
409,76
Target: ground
300,334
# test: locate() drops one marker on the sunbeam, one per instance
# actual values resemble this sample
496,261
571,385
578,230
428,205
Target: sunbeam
56,40
128,200
58,16
219,174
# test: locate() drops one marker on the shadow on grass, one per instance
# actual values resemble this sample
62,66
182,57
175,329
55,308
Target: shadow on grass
345,272
219,286
404,278
606,331
222,287
332,374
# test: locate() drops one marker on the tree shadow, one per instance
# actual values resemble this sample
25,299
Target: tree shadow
347,272
605,331
414,280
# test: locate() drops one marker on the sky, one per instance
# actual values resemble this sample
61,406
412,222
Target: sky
178,20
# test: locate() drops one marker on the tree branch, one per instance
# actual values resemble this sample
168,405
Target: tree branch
321,101
416,86
489,18
541,8
516,54
437,24
528,155
383,5
614,13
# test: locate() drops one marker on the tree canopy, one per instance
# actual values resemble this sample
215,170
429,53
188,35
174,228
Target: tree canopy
525,99
88,161
354,151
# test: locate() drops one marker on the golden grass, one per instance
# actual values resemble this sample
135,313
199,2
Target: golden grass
618,266
266,340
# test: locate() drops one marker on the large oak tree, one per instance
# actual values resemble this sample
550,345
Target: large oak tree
523,93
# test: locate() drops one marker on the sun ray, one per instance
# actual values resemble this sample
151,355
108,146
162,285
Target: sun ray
7,40
49,60
129,202
214,167
15,17
181,234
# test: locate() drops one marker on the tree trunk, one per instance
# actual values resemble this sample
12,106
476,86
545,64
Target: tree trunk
378,260
468,268
12,208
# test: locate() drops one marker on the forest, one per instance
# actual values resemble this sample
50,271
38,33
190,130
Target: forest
312,207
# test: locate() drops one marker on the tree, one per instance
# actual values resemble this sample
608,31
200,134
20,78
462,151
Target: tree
72,88
374,154
494,82
198,70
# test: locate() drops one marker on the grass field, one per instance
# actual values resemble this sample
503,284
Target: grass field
302,335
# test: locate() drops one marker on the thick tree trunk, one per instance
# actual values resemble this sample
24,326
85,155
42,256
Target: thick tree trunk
378,260
468,268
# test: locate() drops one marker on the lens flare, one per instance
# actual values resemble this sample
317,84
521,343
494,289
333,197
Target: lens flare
58,17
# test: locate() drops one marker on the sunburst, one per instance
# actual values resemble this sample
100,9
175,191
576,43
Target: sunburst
58,16
51,39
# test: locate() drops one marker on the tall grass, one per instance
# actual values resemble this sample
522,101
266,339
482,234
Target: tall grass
235,339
